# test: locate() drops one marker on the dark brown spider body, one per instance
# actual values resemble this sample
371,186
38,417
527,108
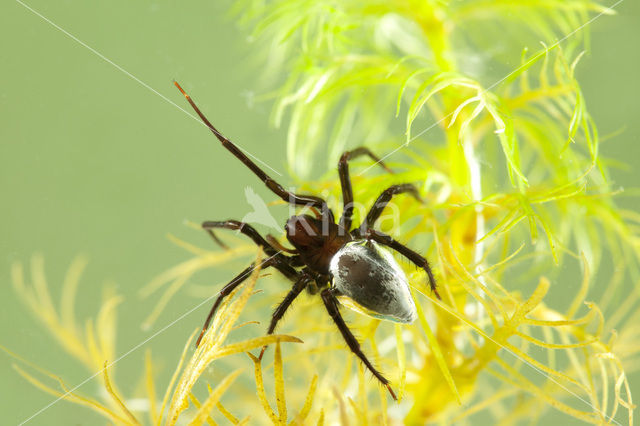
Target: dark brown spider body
335,259
316,241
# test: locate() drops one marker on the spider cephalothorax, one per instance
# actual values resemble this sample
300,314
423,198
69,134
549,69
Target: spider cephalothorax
332,258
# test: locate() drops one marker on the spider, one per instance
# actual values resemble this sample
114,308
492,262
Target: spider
333,259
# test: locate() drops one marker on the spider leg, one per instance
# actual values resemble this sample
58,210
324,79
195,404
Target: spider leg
298,287
345,181
331,303
383,200
414,257
278,261
217,240
243,228
276,244
226,290
275,187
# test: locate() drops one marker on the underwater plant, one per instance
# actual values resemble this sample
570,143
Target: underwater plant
531,253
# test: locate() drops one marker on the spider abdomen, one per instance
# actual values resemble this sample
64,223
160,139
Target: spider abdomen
370,276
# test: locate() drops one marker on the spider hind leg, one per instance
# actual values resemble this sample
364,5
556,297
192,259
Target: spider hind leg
414,257
331,303
278,313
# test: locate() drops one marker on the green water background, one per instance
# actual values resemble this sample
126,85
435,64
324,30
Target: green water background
92,162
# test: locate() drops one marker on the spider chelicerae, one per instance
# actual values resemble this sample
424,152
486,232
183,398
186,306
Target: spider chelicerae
333,259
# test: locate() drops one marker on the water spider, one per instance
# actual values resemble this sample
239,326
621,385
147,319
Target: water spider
330,258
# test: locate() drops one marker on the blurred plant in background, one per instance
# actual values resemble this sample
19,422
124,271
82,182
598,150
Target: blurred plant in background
532,254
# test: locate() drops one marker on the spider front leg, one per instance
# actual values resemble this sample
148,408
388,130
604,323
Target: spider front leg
345,181
414,257
278,261
331,303
243,228
298,287
275,187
